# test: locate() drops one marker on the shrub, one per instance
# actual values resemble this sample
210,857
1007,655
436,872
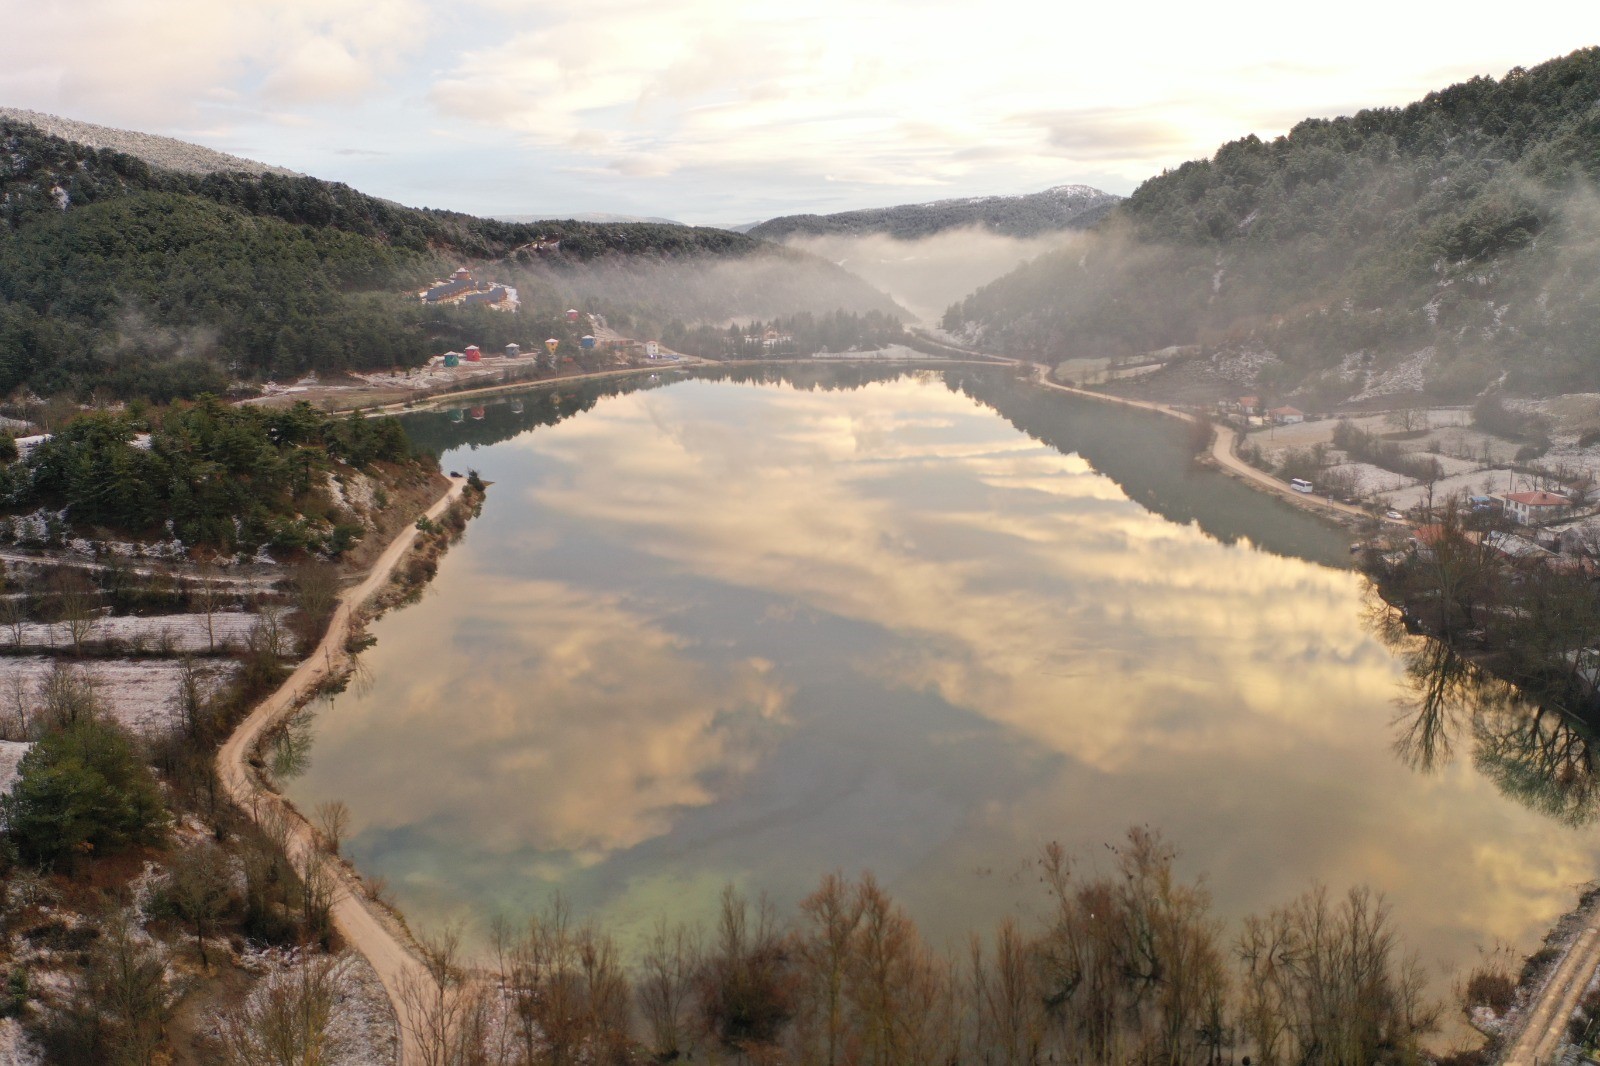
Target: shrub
82,789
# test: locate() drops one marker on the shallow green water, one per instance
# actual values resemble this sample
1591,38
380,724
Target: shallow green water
744,631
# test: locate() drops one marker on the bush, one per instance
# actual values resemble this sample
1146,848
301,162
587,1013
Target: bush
82,790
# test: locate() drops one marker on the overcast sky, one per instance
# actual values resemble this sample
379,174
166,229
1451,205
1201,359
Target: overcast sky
713,111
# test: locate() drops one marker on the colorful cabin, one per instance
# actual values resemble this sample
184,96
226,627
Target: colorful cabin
572,314
477,414
586,343
452,359
458,415
473,355
513,351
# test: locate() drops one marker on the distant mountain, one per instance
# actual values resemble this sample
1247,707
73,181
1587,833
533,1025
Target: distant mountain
161,281
1063,207
1454,239
164,152
588,216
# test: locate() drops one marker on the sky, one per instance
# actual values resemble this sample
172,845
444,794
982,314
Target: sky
730,111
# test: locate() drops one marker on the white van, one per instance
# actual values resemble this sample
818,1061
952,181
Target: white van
1300,484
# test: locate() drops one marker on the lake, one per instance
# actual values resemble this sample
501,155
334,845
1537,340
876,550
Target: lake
758,627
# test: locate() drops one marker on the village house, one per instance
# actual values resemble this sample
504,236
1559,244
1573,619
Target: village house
1424,539
1516,548
1287,416
1530,508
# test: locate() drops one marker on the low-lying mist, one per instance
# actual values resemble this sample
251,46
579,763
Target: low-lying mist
772,283
927,275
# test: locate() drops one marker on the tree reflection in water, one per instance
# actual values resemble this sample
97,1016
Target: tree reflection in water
1538,747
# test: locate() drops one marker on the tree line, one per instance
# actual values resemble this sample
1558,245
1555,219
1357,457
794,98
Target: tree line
801,334
210,474
1123,966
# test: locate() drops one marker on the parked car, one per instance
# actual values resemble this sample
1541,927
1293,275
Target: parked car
1395,516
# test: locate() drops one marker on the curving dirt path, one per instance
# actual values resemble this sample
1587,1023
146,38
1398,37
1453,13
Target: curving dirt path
355,919
1545,1028
1223,448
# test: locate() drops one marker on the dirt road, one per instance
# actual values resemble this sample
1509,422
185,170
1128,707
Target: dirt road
356,921
1222,450
1545,1029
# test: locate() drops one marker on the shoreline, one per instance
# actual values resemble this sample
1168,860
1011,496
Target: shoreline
378,932
359,921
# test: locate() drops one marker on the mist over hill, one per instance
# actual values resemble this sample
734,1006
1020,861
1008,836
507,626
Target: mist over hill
928,255
1455,237
1059,208
153,280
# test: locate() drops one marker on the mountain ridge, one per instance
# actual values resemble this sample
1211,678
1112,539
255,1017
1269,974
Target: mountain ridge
152,282
1059,207
1466,223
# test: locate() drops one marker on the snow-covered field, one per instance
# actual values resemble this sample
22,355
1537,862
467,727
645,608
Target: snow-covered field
141,694
11,753
179,632
361,1029
1470,483
1370,480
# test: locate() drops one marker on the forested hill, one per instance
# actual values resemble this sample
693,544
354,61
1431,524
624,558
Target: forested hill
1458,234
152,282
1063,207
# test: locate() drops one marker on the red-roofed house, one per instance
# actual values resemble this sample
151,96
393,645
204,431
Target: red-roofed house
1531,507
1287,416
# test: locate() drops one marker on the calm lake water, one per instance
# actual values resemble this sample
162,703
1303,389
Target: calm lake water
752,631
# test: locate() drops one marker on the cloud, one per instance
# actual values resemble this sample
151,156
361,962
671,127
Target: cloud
159,63
1101,133
704,107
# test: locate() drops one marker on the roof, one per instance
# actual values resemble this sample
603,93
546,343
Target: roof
1286,411
1537,499
1428,535
1515,546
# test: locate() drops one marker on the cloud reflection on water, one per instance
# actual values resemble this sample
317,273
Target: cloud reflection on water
717,632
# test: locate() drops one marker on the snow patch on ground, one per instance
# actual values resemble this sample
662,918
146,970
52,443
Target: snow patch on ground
353,491
15,1047
1408,376
1369,480
1470,483
361,1027
180,632
1244,367
139,694
11,753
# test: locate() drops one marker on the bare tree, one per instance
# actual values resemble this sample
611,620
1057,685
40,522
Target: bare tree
440,1009
315,588
285,1020
66,697
207,596
76,605
825,947
332,822
664,989
13,613
201,885
125,991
